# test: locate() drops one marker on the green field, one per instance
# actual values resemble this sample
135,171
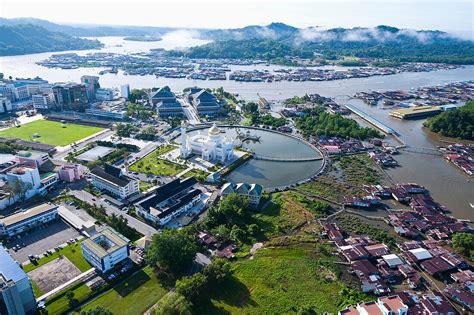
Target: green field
72,252
281,281
50,132
58,304
133,296
153,164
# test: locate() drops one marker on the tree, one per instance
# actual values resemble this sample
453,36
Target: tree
137,94
172,304
217,272
464,243
232,210
71,300
172,250
99,310
193,288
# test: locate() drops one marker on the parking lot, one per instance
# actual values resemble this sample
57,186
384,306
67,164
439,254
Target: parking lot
37,241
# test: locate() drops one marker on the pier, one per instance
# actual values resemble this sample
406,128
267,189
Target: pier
373,121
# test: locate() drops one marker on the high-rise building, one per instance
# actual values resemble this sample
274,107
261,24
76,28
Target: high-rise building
125,91
16,292
5,105
70,96
92,85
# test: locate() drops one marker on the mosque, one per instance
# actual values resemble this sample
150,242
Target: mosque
213,146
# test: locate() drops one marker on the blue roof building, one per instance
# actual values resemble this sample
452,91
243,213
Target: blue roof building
16,292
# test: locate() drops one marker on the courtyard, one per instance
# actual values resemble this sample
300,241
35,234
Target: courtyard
50,132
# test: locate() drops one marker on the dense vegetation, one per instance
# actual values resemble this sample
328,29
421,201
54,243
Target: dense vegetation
464,243
277,42
266,49
29,39
458,123
317,122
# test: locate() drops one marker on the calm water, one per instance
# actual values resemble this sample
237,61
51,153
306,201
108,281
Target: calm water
270,173
446,183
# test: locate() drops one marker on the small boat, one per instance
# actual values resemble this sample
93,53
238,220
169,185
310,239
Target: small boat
472,206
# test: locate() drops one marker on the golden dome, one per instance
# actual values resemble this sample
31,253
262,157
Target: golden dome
213,131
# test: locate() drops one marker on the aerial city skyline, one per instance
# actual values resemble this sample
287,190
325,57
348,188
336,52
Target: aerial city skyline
236,157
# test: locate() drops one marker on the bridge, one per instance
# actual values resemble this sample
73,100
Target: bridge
421,150
283,159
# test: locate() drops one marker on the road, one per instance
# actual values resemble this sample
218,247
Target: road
134,223
190,113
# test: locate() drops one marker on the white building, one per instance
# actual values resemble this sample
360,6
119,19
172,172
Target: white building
251,191
8,90
43,101
23,221
213,146
170,201
16,291
5,105
26,174
104,94
125,91
105,250
112,179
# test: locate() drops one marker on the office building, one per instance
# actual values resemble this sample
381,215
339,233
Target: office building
104,94
70,96
125,91
44,101
167,106
204,102
23,221
112,180
169,200
105,250
92,85
8,90
71,172
5,105
16,292
116,110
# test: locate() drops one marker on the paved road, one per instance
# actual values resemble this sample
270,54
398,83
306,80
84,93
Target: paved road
190,112
138,225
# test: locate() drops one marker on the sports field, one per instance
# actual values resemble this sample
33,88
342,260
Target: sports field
50,132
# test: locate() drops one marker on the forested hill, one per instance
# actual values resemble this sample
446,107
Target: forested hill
28,39
458,123
279,40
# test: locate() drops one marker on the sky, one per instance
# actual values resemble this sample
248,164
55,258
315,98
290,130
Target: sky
453,16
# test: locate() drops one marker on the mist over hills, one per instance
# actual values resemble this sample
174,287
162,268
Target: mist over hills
276,40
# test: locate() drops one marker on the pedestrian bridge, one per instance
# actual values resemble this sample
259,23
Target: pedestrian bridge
283,159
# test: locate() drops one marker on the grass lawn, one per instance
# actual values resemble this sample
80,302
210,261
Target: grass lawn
37,291
50,132
144,186
153,164
200,175
72,252
134,295
280,281
58,304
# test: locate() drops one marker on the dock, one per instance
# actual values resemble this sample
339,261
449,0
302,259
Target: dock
373,121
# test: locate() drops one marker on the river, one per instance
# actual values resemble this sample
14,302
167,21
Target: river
447,184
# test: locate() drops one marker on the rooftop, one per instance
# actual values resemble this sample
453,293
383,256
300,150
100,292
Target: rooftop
9,268
32,212
113,239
